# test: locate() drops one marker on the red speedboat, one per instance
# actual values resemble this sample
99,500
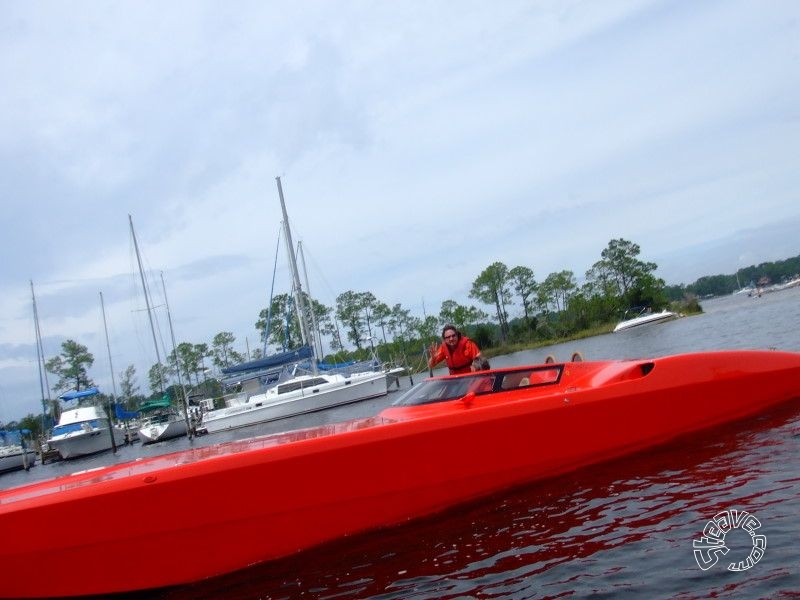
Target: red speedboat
213,510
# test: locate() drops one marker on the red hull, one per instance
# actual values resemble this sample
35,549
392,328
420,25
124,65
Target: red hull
209,511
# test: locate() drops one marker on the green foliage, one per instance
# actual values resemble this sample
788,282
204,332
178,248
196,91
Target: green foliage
350,306
523,283
551,310
493,286
724,284
556,290
71,367
284,326
32,423
157,377
222,352
127,383
619,273
459,315
483,335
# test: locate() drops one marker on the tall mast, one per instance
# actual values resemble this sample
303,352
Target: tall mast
271,292
298,288
108,347
175,352
147,303
43,383
317,341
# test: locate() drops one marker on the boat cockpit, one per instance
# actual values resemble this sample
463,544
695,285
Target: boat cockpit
480,383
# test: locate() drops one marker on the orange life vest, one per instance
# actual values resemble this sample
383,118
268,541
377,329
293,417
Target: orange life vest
459,360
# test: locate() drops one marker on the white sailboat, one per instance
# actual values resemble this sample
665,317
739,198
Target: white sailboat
161,420
14,453
298,394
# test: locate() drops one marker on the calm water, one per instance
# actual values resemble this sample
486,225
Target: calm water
624,528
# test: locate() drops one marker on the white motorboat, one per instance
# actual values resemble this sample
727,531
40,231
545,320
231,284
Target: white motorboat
84,429
161,421
645,318
14,455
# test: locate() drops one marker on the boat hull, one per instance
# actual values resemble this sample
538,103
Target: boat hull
271,496
13,460
84,430
270,407
648,319
83,443
158,432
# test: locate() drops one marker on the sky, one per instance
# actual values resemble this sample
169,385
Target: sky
417,143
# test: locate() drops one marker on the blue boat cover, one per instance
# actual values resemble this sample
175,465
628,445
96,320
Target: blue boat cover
123,414
274,360
13,437
81,394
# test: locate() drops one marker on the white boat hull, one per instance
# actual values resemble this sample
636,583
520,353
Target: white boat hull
72,445
273,404
659,317
84,430
15,458
158,432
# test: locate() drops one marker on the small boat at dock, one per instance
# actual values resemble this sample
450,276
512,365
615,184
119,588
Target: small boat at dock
446,441
296,396
161,421
84,429
15,453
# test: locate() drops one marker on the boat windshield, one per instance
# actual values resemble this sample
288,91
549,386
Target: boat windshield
479,383
72,427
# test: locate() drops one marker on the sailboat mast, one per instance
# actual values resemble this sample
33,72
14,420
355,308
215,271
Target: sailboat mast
147,303
271,295
317,341
108,347
43,383
298,288
175,352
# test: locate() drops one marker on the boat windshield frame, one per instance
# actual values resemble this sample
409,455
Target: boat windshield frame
443,389
80,426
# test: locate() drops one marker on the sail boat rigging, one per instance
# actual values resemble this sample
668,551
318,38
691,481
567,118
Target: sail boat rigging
79,430
175,352
108,348
14,451
147,304
298,394
271,294
297,287
161,421
43,383
316,341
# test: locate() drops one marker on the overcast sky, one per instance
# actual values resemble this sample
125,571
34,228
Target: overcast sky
417,143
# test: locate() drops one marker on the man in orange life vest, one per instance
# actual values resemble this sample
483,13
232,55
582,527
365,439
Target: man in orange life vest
457,350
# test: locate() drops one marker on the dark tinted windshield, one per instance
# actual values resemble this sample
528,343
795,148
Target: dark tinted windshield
482,382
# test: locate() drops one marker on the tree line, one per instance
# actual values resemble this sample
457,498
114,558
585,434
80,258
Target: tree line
547,310
747,277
